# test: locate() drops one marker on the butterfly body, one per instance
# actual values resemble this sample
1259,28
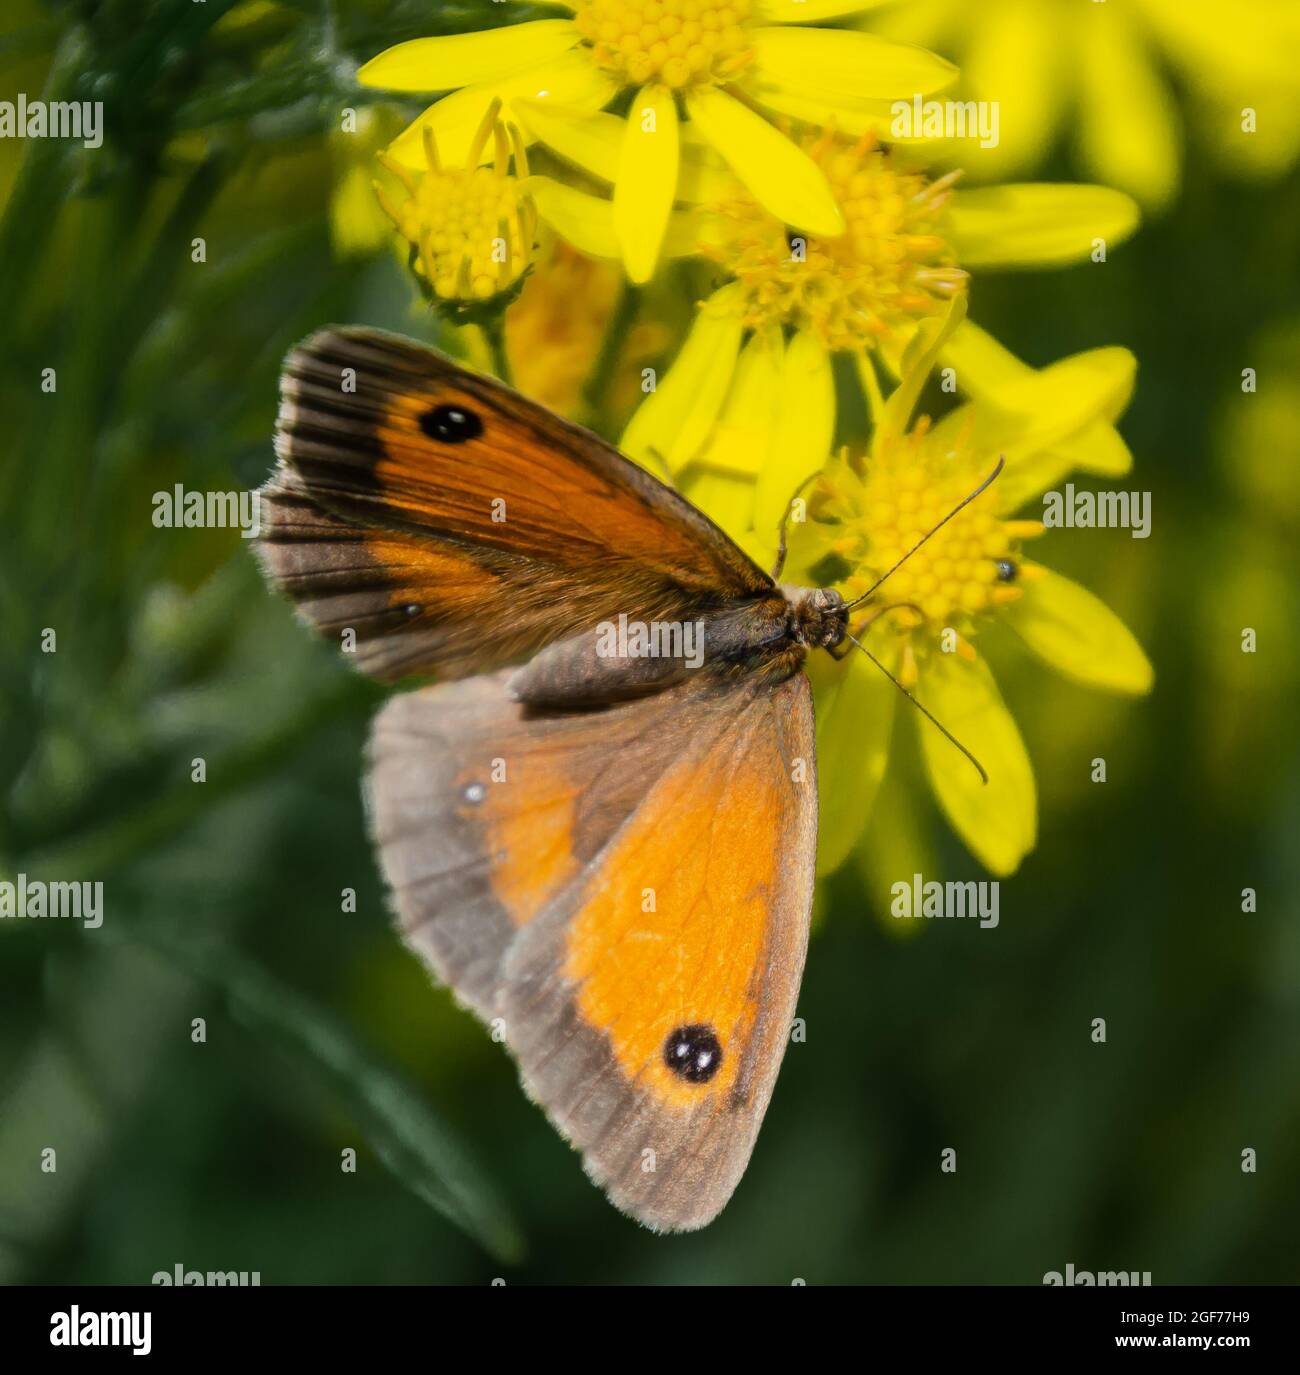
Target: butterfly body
769,636
599,824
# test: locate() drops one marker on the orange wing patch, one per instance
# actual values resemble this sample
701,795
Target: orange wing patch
684,910
511,482
531,845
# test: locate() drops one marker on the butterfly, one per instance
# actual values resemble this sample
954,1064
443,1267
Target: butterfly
599,824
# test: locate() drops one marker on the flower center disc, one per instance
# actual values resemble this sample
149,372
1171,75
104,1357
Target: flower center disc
679,42
892,266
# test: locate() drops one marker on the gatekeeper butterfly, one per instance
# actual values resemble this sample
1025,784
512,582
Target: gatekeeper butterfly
604,850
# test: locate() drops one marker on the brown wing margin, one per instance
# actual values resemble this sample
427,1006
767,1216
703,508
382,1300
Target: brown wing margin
457,555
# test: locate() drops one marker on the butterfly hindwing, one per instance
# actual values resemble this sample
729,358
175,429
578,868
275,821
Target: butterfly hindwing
664,894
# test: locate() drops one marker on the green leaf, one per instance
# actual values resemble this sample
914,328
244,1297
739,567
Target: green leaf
418,1148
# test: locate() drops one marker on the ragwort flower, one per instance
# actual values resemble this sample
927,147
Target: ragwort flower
718,67
864,514
747,408
470,227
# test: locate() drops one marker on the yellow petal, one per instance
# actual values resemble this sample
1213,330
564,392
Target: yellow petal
587,222
1046,421
999,822
1079,635
1097,448
1027,477
647,179
869,380
805,429
898,842
781,176
918,361
983,364
745,431
855,706
570,79
1097,383
1016,58
1261,45
726,498
1037,225
841,64
1128,122
589,139
676,418
464,59
809,11
985,369
850,118
593,141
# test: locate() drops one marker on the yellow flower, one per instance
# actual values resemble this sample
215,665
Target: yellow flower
470,227
748,407
893,265
728,64
865,513
1037,57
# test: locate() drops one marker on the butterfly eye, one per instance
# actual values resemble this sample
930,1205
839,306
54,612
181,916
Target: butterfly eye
694,1052
1007,570
451,424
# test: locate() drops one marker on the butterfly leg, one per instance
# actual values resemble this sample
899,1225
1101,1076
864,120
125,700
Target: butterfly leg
785,520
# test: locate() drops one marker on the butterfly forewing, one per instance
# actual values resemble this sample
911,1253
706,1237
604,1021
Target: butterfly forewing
453,526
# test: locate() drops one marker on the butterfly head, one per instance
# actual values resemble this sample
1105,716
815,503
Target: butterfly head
819,617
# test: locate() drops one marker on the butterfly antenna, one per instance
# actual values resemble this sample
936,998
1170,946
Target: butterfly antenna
965,501
929,715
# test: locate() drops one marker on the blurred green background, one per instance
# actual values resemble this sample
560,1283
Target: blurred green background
223,898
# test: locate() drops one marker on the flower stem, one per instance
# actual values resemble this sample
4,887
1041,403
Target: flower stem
611,351
494,331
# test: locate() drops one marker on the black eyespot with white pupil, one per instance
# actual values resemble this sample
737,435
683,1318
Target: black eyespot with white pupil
451,424
694,1052
1007,570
